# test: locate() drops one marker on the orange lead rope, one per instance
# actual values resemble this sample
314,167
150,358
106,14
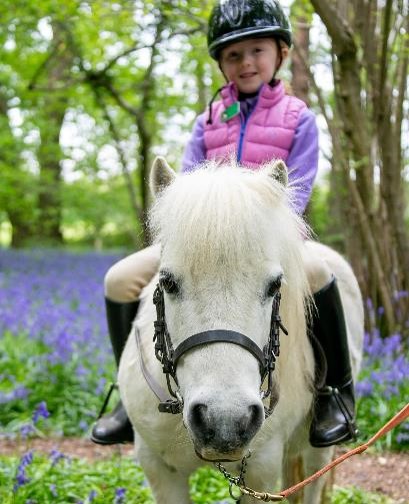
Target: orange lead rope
267,497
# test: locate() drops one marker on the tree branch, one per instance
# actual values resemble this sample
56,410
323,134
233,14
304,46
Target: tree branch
338,28
122,157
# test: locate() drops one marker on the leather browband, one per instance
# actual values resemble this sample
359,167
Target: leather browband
219,336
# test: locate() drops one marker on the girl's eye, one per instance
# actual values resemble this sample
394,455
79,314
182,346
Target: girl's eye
168,283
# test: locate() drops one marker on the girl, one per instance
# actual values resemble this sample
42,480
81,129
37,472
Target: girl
256,121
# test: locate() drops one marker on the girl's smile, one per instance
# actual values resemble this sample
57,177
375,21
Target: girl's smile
251,62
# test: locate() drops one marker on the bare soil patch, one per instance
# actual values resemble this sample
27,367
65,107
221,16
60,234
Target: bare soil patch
387,474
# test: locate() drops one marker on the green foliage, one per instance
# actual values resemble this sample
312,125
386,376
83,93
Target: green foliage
207,482
71,400
67,480
384,390
318,217
98,213
70,60
60,479
353,495
302,9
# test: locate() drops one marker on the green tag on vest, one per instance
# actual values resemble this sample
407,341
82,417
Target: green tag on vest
231,111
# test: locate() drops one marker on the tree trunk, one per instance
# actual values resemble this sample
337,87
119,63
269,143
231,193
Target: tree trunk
365,91
51,116
17,191
299,59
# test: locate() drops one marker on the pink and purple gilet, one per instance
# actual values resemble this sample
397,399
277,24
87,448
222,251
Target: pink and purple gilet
272,125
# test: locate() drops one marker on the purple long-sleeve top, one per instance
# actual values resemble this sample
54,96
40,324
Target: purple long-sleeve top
302,161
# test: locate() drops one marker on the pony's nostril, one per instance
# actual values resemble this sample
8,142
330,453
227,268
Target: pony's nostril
198,413
252,421
200,421
256,414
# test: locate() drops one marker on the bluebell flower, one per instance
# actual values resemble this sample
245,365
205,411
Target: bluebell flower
21,477
92,495
120,495
402,438
26,430
400,294
19,393
83,425
53,489
55,456
364,388
40,412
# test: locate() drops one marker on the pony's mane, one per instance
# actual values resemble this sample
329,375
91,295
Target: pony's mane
223,213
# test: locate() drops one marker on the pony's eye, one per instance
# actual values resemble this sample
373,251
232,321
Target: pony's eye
168,283
274,286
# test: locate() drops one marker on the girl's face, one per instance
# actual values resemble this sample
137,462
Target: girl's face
251,62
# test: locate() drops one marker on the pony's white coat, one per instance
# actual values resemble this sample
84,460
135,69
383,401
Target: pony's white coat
225,233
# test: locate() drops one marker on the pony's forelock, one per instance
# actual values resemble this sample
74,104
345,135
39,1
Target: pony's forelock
227,208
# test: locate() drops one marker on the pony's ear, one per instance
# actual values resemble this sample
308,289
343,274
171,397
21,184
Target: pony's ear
278,170
161,176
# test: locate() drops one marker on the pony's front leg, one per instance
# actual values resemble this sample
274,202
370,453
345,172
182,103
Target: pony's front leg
168,485
315,459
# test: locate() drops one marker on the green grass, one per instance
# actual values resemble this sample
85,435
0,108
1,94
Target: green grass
71,401
79,481
352,495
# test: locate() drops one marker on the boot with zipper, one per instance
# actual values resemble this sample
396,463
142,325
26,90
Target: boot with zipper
115,427
334,409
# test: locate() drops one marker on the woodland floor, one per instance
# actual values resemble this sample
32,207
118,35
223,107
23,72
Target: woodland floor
386,474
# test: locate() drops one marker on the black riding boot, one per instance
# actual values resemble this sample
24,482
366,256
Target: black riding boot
334,410
115,427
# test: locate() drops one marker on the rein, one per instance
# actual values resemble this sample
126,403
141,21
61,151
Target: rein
401,416
169,357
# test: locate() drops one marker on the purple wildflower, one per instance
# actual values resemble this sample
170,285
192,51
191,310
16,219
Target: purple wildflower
19,393
40,412
83,425
55,456
21,477
401,294
92,495
53,489
364,388
26,430
120,495
402,438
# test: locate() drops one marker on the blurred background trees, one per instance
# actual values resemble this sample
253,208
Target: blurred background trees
90,92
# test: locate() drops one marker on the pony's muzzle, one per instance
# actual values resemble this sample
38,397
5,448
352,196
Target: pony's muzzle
223,434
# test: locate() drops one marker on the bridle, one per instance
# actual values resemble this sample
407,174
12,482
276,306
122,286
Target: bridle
169,356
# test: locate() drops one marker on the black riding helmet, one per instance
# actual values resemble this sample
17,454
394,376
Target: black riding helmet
234,20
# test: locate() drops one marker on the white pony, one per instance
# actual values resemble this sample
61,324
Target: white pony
230,244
